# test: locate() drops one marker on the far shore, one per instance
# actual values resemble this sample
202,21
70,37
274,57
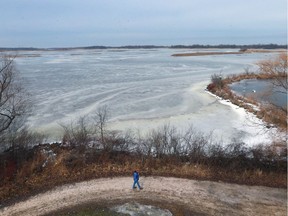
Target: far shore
229,53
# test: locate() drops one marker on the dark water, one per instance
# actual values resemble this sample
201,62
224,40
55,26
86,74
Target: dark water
262,91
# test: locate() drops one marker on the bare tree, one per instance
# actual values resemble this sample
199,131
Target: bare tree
13,98
101,118
276,69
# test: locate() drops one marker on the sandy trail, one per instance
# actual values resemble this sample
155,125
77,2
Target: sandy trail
203,197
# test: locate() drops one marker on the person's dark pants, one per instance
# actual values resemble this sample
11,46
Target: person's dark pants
134,185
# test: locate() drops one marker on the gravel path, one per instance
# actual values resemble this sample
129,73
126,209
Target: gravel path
203,197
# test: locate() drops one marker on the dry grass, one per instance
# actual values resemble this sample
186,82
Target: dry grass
71,166
205,53
228,53
271,114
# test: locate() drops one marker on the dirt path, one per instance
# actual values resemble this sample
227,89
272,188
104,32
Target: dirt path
203,197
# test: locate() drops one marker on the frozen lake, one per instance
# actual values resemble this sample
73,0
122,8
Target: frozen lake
143,88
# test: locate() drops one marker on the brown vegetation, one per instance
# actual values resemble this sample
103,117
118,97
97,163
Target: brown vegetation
241,51
205,53
45,166
274,70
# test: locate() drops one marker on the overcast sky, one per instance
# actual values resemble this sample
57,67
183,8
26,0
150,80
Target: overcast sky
65,23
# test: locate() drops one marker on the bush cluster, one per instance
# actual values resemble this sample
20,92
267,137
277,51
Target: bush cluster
157,150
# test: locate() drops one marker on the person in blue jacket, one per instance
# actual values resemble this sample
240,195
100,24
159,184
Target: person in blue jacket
136,180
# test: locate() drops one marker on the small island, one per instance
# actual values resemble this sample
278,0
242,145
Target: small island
241,51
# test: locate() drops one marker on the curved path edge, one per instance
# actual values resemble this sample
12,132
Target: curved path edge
205,197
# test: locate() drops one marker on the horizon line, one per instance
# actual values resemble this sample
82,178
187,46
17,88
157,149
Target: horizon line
259,45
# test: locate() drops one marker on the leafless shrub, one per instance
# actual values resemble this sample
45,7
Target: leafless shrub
117,141
77,134
217,80
163,141
128,142
216,151
20,149
235,149
144,145
196,144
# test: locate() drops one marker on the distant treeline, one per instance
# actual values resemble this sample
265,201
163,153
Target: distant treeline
233,46
195,46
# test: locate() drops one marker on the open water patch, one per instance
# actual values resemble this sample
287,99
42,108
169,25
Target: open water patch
262,90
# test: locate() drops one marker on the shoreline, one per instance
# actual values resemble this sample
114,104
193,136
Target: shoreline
181,122
253,119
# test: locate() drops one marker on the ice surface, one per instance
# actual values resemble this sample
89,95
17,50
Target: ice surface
136,209
143,89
